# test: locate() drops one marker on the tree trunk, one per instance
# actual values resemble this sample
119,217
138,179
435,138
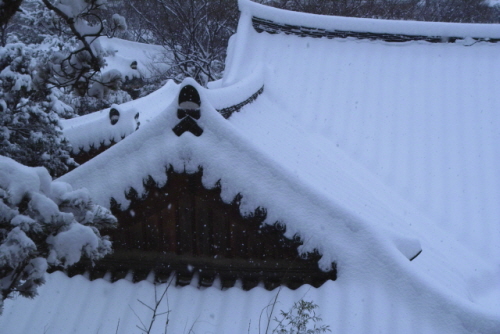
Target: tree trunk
7,9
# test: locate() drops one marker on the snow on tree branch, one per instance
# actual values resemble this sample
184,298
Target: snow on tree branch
44,223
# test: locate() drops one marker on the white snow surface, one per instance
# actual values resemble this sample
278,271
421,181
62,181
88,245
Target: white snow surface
368,150
96,129
19,180
70,244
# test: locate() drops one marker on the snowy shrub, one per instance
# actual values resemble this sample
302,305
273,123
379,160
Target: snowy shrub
299,319
119,22
44,223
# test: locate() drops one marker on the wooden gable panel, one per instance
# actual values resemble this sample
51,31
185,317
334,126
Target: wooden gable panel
186,228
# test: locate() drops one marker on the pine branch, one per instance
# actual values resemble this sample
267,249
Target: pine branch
82,38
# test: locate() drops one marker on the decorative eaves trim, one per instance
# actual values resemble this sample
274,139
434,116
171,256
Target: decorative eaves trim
227,112
263,25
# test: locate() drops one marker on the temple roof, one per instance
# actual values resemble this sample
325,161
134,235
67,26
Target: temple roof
371,150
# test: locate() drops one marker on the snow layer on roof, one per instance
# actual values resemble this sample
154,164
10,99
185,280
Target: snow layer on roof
224,97
76,305
95,129
416,123
330,201
421,117
223,154
441,29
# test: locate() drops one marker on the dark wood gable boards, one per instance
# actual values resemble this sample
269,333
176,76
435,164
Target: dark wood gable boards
187,229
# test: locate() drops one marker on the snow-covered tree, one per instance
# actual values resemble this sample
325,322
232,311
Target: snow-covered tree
51,68
44,223
74,27
80,68
29,112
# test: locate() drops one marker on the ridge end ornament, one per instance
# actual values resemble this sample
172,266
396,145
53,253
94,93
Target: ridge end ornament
188,111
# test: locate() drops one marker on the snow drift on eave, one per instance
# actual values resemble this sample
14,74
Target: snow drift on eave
95,129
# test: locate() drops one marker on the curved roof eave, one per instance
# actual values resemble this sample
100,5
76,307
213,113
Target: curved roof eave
443,29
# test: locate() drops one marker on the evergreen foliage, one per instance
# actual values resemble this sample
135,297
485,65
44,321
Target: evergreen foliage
29,112
50,67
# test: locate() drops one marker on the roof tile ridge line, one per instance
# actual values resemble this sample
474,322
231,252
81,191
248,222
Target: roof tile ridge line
263,25
227,112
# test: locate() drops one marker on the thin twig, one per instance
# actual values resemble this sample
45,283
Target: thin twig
269,317
143,326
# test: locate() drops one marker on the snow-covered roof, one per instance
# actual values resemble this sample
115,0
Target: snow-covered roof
369,150
443,32
120,54
96,130
77,305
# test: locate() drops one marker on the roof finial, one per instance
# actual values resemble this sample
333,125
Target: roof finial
188,112
114,116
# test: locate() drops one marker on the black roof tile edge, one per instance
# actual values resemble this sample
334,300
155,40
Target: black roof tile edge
227,112
263,25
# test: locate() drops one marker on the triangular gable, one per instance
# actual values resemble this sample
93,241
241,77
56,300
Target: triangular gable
231,160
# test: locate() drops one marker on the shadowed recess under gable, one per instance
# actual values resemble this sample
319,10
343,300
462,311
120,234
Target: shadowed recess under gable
187,229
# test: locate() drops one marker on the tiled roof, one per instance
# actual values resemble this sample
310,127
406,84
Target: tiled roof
77,305
362,146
